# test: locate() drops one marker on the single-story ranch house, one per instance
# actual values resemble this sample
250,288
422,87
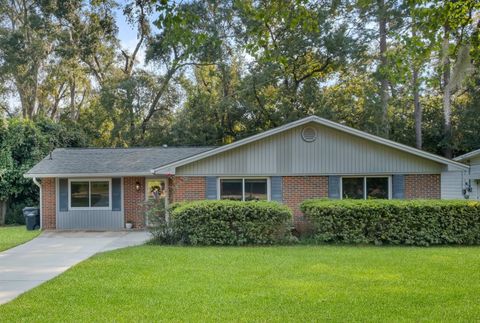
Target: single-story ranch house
102,189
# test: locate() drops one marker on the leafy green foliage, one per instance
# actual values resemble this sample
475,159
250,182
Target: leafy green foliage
22,144
231,222
416,222
157,222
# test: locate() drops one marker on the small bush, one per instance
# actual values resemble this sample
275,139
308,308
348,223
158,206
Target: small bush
231,222
158,223
413,222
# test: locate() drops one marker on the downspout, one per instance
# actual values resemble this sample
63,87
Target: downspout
40,187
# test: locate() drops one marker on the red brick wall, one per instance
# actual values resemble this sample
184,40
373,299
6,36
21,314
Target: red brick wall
422,186
296,189
186,188
49,204
132,201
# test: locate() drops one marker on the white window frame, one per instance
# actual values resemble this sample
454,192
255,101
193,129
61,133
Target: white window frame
219,188
365,184
90,180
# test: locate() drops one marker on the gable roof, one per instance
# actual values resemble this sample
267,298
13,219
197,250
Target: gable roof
170,168
467,156
109,161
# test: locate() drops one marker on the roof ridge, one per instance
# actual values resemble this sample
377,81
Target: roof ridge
127,148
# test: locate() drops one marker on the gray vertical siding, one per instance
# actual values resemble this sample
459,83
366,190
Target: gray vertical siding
332,153
89,219
452,185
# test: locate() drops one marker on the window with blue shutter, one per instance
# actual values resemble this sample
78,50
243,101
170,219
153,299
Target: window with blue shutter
276,189
211,188
334,187
398,186
116,194
63,194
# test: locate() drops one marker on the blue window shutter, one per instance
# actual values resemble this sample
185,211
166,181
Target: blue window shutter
398,186
116,194
276,188
210,188
334,187
63,194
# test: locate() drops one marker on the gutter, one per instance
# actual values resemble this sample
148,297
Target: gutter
40,187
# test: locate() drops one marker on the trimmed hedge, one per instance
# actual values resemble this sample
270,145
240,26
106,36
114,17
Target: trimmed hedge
413,222
231,222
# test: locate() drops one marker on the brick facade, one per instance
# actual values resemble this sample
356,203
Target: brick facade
422,186
297,189
186,188
132,201
49,204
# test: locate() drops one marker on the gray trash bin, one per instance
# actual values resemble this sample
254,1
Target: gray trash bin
32,217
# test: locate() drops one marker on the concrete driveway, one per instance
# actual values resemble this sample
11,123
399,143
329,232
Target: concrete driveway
27,266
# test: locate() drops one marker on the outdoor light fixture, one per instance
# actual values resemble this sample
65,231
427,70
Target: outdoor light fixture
137,186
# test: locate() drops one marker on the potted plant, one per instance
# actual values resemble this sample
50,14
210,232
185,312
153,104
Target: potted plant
128,225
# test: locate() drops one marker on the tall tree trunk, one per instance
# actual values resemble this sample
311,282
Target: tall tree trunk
447,104
3,211
382,29
418,111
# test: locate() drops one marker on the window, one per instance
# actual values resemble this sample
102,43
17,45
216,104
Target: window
244,189
366,187
90,194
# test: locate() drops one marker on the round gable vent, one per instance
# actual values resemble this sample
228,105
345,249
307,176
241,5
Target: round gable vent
309,134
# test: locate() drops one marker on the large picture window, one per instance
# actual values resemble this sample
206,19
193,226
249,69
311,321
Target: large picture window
90,194
244,189
366,187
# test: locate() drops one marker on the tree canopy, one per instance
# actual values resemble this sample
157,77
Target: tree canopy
211,72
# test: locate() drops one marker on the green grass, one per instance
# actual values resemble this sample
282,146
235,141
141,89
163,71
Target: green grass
300,283
11,236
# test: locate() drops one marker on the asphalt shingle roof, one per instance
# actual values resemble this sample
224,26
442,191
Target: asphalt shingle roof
111,160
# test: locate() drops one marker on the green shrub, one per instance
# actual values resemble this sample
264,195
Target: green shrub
157,222
412,222
231,222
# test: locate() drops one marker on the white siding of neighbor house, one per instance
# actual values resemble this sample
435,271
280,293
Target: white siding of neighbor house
333,152
452,185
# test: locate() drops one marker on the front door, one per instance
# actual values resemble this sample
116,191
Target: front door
156,189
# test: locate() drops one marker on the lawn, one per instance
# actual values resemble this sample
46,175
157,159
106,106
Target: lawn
300,283
11,236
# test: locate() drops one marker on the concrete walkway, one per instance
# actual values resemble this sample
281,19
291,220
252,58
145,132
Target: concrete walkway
29,265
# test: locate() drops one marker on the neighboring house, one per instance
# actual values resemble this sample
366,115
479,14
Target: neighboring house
472,179
100,189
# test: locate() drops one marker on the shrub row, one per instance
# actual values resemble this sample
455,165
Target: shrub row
231,222
413,222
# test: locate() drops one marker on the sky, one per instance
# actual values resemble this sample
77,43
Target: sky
127,33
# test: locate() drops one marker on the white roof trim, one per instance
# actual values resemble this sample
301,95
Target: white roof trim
471,154
318,120
76,175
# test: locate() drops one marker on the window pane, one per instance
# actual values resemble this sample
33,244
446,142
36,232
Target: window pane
255,189
79,194
100,194
352,188
231,189
155,188
377,188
